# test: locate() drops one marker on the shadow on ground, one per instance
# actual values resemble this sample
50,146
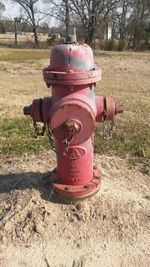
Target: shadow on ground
29,180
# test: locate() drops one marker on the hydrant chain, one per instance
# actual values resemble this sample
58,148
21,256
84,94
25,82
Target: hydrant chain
52,143
38,131
66,144
66,148
51,138
108,129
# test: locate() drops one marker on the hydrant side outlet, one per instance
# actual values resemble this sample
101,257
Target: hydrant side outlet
70,115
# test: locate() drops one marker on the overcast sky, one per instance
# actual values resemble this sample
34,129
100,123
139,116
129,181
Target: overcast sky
12,10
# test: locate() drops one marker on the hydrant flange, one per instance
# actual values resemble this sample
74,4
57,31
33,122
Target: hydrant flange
79,192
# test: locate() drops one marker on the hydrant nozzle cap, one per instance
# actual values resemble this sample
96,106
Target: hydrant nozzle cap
72,126
119,109
27,110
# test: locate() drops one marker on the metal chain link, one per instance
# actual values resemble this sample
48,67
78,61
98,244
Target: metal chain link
108,130
51,138
41,132
38,131
66,143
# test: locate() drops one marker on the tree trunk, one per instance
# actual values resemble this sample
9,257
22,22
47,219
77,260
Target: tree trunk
36,40
34,27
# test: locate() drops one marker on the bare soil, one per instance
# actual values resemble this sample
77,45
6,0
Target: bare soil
38,229
110,229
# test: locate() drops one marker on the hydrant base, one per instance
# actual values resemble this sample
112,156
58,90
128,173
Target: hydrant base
74,193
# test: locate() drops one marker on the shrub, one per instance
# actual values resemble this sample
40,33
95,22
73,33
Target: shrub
121,45
111,45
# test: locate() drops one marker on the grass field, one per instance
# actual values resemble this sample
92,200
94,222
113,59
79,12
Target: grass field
126,76
25,39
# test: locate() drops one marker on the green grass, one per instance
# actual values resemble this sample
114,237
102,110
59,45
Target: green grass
22,55
18,137
128,138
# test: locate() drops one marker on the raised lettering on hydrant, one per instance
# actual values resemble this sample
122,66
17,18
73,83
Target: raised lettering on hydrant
70,115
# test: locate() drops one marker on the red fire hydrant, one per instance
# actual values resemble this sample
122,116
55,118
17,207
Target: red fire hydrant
70,114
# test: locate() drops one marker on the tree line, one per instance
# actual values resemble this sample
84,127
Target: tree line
127,20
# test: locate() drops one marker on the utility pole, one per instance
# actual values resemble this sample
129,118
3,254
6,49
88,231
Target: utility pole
71,36
17,20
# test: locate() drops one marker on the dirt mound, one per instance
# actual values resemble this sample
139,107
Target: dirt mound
110,229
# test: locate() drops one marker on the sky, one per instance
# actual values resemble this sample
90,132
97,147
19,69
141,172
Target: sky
12,10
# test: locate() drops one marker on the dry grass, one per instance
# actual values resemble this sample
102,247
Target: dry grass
125,76
22,55
9,39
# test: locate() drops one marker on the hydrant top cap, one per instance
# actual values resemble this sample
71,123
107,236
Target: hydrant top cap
66,57
71,64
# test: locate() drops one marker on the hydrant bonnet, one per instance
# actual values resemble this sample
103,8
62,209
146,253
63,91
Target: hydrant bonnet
71,64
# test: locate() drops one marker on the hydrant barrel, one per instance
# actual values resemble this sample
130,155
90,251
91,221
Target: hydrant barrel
76,167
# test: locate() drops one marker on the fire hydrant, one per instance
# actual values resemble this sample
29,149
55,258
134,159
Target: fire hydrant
70,115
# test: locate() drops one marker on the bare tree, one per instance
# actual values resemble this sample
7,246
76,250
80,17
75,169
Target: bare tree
30,15
2,8
88,14
138,24
129,19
